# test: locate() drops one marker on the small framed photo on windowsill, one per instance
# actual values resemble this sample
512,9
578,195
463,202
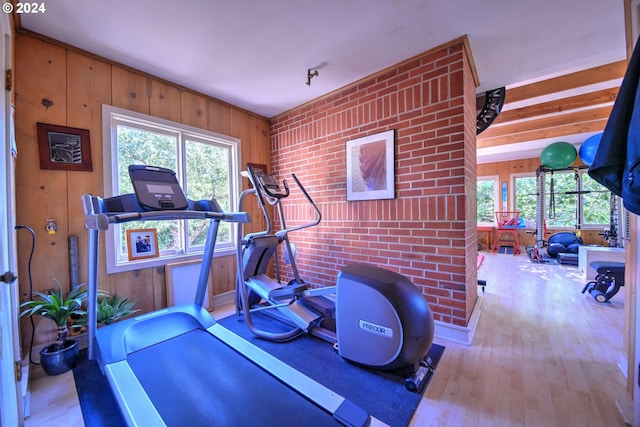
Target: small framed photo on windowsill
142,243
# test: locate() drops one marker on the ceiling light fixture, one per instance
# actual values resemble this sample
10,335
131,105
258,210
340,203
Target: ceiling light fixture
311,73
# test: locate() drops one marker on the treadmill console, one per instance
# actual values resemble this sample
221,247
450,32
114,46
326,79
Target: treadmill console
157,188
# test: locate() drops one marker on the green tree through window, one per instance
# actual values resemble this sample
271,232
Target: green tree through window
526,197
486,200
562,198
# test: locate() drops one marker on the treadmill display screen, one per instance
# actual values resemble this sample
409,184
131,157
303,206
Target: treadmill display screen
159,189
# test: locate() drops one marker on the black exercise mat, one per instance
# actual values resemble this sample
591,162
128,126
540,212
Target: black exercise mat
99,406
381,394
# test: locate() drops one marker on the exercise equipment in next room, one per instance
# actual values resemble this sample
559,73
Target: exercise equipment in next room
565,246
558,155
589,148
609,279
177,366
545,209
506,233
373,316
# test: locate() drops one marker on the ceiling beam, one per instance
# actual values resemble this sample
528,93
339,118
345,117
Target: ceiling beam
574,117
586,100
603,73
554,132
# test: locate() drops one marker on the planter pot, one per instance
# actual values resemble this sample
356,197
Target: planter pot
60,361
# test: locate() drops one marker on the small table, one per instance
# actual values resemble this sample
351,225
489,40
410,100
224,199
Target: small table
588,254
485,231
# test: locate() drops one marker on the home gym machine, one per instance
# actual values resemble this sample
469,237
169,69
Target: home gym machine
373,317
177,366
546,210
542,206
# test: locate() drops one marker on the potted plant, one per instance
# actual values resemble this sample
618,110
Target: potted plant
111,308
62,355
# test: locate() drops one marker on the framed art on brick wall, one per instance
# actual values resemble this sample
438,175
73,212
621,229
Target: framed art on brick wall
370,167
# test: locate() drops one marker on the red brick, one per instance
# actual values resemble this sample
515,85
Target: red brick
420,233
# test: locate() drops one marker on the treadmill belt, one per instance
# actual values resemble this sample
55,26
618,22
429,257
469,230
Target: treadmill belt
196,380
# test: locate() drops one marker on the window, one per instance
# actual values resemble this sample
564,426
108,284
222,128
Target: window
596,209
526,198
566,193
487,196
206,165
560,192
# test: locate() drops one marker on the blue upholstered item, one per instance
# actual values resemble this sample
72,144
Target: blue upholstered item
563,242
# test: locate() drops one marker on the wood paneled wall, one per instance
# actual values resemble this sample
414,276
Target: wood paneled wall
60,85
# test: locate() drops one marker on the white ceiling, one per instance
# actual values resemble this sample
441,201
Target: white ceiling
255,53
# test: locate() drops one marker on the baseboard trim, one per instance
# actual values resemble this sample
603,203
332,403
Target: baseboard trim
223,299
460,334
25,389
623,365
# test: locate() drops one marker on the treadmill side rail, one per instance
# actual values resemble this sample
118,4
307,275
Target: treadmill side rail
134,402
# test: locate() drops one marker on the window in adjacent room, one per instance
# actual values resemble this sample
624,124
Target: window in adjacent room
525,197
206,165
487,198
596,201
572,193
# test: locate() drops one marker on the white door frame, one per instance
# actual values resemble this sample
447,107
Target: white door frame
634,19
11,409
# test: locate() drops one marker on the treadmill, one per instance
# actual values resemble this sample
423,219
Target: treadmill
177,366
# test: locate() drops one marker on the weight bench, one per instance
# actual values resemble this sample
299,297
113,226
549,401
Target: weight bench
609,279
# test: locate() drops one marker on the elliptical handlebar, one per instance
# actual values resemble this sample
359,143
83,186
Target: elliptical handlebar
266,186
311,202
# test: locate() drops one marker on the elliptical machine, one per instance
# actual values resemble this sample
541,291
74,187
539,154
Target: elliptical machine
373,316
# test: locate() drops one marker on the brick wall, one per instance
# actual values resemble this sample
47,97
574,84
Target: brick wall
428,232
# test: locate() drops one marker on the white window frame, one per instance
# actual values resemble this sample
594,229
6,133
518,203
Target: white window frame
111,116
593,226
513,189
496,196
567,228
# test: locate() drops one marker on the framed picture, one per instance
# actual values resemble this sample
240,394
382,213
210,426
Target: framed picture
370,167
142,243
64,148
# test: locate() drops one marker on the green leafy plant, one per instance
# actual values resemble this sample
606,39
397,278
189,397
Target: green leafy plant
57,306
112,308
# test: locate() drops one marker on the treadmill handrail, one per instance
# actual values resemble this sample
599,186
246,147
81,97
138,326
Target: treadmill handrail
100,220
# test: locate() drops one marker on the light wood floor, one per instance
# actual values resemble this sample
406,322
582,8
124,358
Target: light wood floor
543,355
